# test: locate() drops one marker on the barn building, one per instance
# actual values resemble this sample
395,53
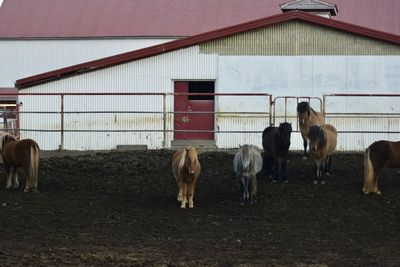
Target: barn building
150,95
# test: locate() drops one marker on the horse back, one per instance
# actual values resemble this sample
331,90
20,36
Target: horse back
315,118
385,153
18,153
268,136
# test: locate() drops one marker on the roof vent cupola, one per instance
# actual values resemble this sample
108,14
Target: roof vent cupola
316,7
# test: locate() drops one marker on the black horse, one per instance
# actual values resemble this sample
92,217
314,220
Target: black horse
276,142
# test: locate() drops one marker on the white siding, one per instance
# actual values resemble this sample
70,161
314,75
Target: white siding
23,58
314,76
155,74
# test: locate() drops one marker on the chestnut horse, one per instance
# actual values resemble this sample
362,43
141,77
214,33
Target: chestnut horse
378,155
308,117
24,154
186,168
322,144
246,164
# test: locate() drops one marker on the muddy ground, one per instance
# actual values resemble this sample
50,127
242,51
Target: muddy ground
119,209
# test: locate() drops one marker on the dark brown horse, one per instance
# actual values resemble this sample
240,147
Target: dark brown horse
379,155
24,154
323,141
186,168
276,142
308,117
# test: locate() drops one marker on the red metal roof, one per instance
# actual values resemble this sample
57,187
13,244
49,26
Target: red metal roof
165,18
201,38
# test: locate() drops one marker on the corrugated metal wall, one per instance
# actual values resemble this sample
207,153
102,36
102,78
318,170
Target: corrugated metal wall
298,38
23,58
149,75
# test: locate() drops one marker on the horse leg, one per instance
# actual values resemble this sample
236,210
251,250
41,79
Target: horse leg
242,191
375,186
253,189
179,198
191,193
268,161
184,195
10,171
305,142
14,174
318,162
328,167
285,180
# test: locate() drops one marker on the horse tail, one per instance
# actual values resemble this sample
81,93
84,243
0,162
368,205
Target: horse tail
34,168
368,173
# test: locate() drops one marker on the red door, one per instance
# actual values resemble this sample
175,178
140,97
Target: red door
187,124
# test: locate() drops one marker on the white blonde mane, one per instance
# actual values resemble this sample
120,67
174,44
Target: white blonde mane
182,160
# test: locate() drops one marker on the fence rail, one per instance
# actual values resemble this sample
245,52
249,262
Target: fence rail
63,116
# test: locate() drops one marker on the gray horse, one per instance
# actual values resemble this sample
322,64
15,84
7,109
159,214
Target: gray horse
246,164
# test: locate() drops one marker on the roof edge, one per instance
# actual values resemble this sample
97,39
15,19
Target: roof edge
201,38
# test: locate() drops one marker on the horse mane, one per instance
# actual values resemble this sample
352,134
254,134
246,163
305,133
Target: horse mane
183,158
316,132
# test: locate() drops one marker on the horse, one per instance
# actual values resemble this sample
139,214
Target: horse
276,142
246,164
378,155
25,154
308,117
323,141
186,168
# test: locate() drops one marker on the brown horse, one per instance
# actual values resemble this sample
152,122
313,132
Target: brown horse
24,154
322,144
186,168
378,155
308,117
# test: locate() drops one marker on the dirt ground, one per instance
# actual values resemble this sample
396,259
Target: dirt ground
119,209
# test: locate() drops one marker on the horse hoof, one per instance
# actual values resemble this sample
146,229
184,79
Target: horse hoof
274,181
304,157
315,182
322,182
285,181
378,192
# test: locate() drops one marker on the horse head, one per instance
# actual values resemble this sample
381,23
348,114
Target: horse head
303,111
191,160
4,137
317,137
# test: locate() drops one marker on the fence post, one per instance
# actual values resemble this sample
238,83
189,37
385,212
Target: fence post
61,146
164,121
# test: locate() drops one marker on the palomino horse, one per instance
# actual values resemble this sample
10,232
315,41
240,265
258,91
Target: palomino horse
307,118
246,164
276,142
322,144
186,168
378,155
24,154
